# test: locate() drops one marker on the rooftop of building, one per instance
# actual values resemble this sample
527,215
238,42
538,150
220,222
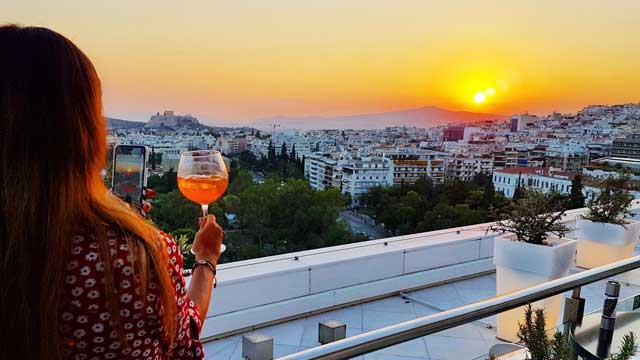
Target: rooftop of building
368,286
470,341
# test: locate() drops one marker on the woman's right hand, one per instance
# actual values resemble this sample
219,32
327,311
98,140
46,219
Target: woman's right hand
208,239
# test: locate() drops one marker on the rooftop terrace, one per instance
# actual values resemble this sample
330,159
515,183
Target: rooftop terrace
368,286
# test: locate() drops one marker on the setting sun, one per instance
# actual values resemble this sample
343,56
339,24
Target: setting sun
479,97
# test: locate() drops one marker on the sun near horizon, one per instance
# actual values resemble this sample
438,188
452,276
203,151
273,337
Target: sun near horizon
229,60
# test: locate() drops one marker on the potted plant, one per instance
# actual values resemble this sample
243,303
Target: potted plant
604,235
535,337
530,249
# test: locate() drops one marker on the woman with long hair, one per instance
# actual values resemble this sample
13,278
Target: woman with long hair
82,275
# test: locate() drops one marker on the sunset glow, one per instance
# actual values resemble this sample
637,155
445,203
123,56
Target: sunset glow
238,61
479,97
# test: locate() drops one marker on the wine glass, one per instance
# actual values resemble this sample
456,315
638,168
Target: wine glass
202,178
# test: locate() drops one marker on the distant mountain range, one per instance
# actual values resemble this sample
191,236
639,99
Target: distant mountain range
424,117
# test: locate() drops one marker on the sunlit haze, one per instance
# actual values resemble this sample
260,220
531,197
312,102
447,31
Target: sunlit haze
239,61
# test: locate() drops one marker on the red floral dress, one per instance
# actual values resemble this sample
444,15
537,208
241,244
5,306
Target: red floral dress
85,320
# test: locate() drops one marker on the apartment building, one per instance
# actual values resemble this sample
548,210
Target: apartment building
411,164
357,176
231,145
322,172
505,158
570,158
260,147
626,147
466,166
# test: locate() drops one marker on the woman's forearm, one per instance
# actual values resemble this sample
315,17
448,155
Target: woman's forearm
200,288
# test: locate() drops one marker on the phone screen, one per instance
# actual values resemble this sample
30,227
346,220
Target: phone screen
128,173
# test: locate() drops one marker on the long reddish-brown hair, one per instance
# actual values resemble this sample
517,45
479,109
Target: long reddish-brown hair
52,151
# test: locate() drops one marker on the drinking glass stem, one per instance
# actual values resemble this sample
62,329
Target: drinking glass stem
205,210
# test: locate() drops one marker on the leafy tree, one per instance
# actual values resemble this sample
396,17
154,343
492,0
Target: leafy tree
411,199
290,217
247,160
155,182
612,204
424,187
532,218
241,181
576,197
163,184
172,211
445,216
454,203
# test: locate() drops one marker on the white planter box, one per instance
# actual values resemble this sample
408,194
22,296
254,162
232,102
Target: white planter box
600,244
521,265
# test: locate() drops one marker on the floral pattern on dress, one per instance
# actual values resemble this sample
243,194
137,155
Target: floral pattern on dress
86,325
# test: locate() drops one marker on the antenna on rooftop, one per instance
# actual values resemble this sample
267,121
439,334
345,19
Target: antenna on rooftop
274,129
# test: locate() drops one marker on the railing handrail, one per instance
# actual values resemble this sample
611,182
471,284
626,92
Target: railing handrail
409,330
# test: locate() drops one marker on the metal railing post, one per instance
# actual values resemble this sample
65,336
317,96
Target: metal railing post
608,321
573,313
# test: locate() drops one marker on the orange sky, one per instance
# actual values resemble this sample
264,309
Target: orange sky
241,60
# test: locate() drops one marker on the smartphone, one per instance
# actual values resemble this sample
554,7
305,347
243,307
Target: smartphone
130,172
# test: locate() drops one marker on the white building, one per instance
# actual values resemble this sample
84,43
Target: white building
541,179
357,176
411,164
260,147
322,171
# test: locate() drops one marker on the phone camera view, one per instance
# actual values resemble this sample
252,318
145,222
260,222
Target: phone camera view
128,173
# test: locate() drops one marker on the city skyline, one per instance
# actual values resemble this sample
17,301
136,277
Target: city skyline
227,61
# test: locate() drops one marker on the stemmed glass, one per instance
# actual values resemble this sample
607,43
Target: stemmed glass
202,177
